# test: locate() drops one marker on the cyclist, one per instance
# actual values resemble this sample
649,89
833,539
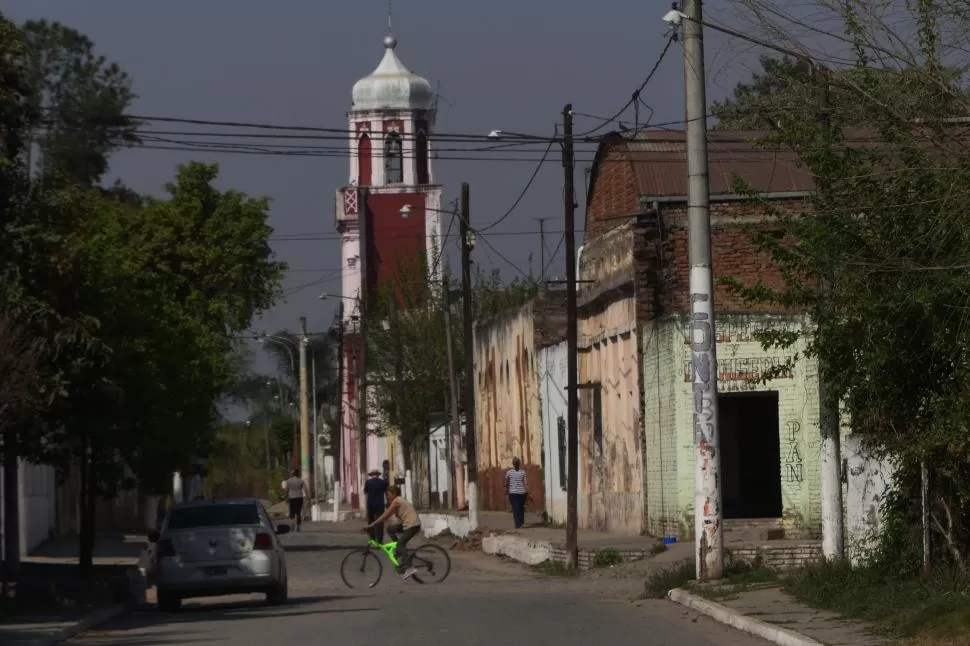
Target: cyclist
405,529
296,491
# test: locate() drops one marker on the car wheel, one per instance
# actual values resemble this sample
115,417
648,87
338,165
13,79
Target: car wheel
169,602
278,594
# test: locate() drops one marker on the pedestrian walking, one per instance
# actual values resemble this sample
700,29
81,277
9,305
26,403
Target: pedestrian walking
296,490
375,491
516,486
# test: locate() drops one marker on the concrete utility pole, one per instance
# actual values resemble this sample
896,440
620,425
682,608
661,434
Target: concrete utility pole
708,527
572,344
304,410
831,449
471,443
361,404
454,429
339,430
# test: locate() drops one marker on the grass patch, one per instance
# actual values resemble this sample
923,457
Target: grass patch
663,581
738,577
606,558
935,606
553,568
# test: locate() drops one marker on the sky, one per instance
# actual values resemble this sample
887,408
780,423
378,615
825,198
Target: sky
504,64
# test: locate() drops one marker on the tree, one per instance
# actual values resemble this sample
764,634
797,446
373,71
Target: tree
82,100
784,88
888,232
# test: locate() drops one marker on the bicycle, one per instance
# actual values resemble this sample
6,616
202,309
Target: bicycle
429,559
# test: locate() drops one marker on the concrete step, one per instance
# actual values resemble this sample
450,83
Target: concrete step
754,529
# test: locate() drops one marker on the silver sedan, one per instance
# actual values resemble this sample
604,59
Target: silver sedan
218,547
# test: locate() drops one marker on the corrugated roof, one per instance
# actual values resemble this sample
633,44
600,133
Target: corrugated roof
659,160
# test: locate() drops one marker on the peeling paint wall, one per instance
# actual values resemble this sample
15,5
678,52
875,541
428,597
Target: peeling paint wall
552,392
668,418
507,406
609,374
868,481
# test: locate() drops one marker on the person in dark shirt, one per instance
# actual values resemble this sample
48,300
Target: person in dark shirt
375,491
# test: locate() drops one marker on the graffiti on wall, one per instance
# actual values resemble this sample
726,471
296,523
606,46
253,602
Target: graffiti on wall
793,457
702,356
733,332
742,372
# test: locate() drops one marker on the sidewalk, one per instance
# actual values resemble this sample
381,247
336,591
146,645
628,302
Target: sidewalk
52,604
774,615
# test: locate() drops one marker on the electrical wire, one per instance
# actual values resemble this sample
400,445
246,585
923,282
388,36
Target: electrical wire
636,94
522,194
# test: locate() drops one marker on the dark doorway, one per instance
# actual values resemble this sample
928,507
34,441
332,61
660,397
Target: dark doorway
750,455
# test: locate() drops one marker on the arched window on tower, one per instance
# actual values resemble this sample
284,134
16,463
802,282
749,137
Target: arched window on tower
421,156
393,159
364,161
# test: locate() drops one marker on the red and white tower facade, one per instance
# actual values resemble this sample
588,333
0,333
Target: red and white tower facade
388,217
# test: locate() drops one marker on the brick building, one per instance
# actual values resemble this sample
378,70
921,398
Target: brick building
637,456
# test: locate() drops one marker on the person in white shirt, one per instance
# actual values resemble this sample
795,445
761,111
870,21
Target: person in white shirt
296,491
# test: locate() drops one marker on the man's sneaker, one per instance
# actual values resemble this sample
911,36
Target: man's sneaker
408,573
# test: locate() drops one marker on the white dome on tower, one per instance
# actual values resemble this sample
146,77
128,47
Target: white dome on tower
392,86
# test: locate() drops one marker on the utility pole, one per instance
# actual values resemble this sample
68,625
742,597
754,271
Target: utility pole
542,248
454,429
833,541
361,403
304,410
471,442
572,344
708,528
399,373
339,456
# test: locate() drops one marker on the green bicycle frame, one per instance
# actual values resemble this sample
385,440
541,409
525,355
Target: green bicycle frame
388,548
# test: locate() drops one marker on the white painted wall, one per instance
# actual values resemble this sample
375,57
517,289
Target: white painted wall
38,504
438,460
552,397
868,482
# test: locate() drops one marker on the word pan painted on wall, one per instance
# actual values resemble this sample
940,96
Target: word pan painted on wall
793,458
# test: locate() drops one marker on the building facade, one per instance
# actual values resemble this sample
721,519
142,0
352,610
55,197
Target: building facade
634,308
388,218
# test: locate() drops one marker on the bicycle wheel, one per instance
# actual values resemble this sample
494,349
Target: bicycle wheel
432,562
362,566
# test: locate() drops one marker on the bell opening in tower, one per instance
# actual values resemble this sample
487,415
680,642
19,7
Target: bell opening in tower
421,156
364,161
393,161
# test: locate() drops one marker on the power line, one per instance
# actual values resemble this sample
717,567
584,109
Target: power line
636,93
522,194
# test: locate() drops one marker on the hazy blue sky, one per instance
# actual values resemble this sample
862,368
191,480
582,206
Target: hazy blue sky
501,64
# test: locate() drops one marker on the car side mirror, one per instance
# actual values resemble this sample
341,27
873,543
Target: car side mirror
282,529
153,536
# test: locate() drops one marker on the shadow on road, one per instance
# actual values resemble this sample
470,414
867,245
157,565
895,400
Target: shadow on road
321,548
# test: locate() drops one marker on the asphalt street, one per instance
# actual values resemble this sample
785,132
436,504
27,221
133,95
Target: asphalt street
483,601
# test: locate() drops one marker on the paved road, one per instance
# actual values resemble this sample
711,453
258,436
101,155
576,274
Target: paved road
484,601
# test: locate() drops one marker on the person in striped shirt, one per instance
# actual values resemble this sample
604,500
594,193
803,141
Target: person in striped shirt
516,487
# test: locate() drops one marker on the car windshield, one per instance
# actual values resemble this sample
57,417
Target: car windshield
214,515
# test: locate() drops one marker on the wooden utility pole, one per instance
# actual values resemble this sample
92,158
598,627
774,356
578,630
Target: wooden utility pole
361,401
338,457
454,429
572,344
471,443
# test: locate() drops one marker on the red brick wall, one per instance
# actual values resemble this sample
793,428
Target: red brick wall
615,194
733,253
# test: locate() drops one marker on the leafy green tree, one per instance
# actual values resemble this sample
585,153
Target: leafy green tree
81,98
888,233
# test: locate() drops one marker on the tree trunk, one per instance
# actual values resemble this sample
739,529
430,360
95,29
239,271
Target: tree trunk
420,470
87,511
925,513
11,513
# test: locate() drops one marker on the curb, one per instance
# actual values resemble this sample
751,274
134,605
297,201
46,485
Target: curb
93,620
750,625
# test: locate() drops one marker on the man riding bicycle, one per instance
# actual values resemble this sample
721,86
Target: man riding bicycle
405,529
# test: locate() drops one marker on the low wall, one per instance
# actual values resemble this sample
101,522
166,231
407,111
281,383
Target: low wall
587,558
438,524
517,548
777,557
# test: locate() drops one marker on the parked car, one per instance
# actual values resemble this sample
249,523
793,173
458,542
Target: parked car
211,548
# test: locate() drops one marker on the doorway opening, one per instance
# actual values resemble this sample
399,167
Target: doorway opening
750,455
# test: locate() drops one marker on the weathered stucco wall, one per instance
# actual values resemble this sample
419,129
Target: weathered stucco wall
669,405
609,375
507,407
552,391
